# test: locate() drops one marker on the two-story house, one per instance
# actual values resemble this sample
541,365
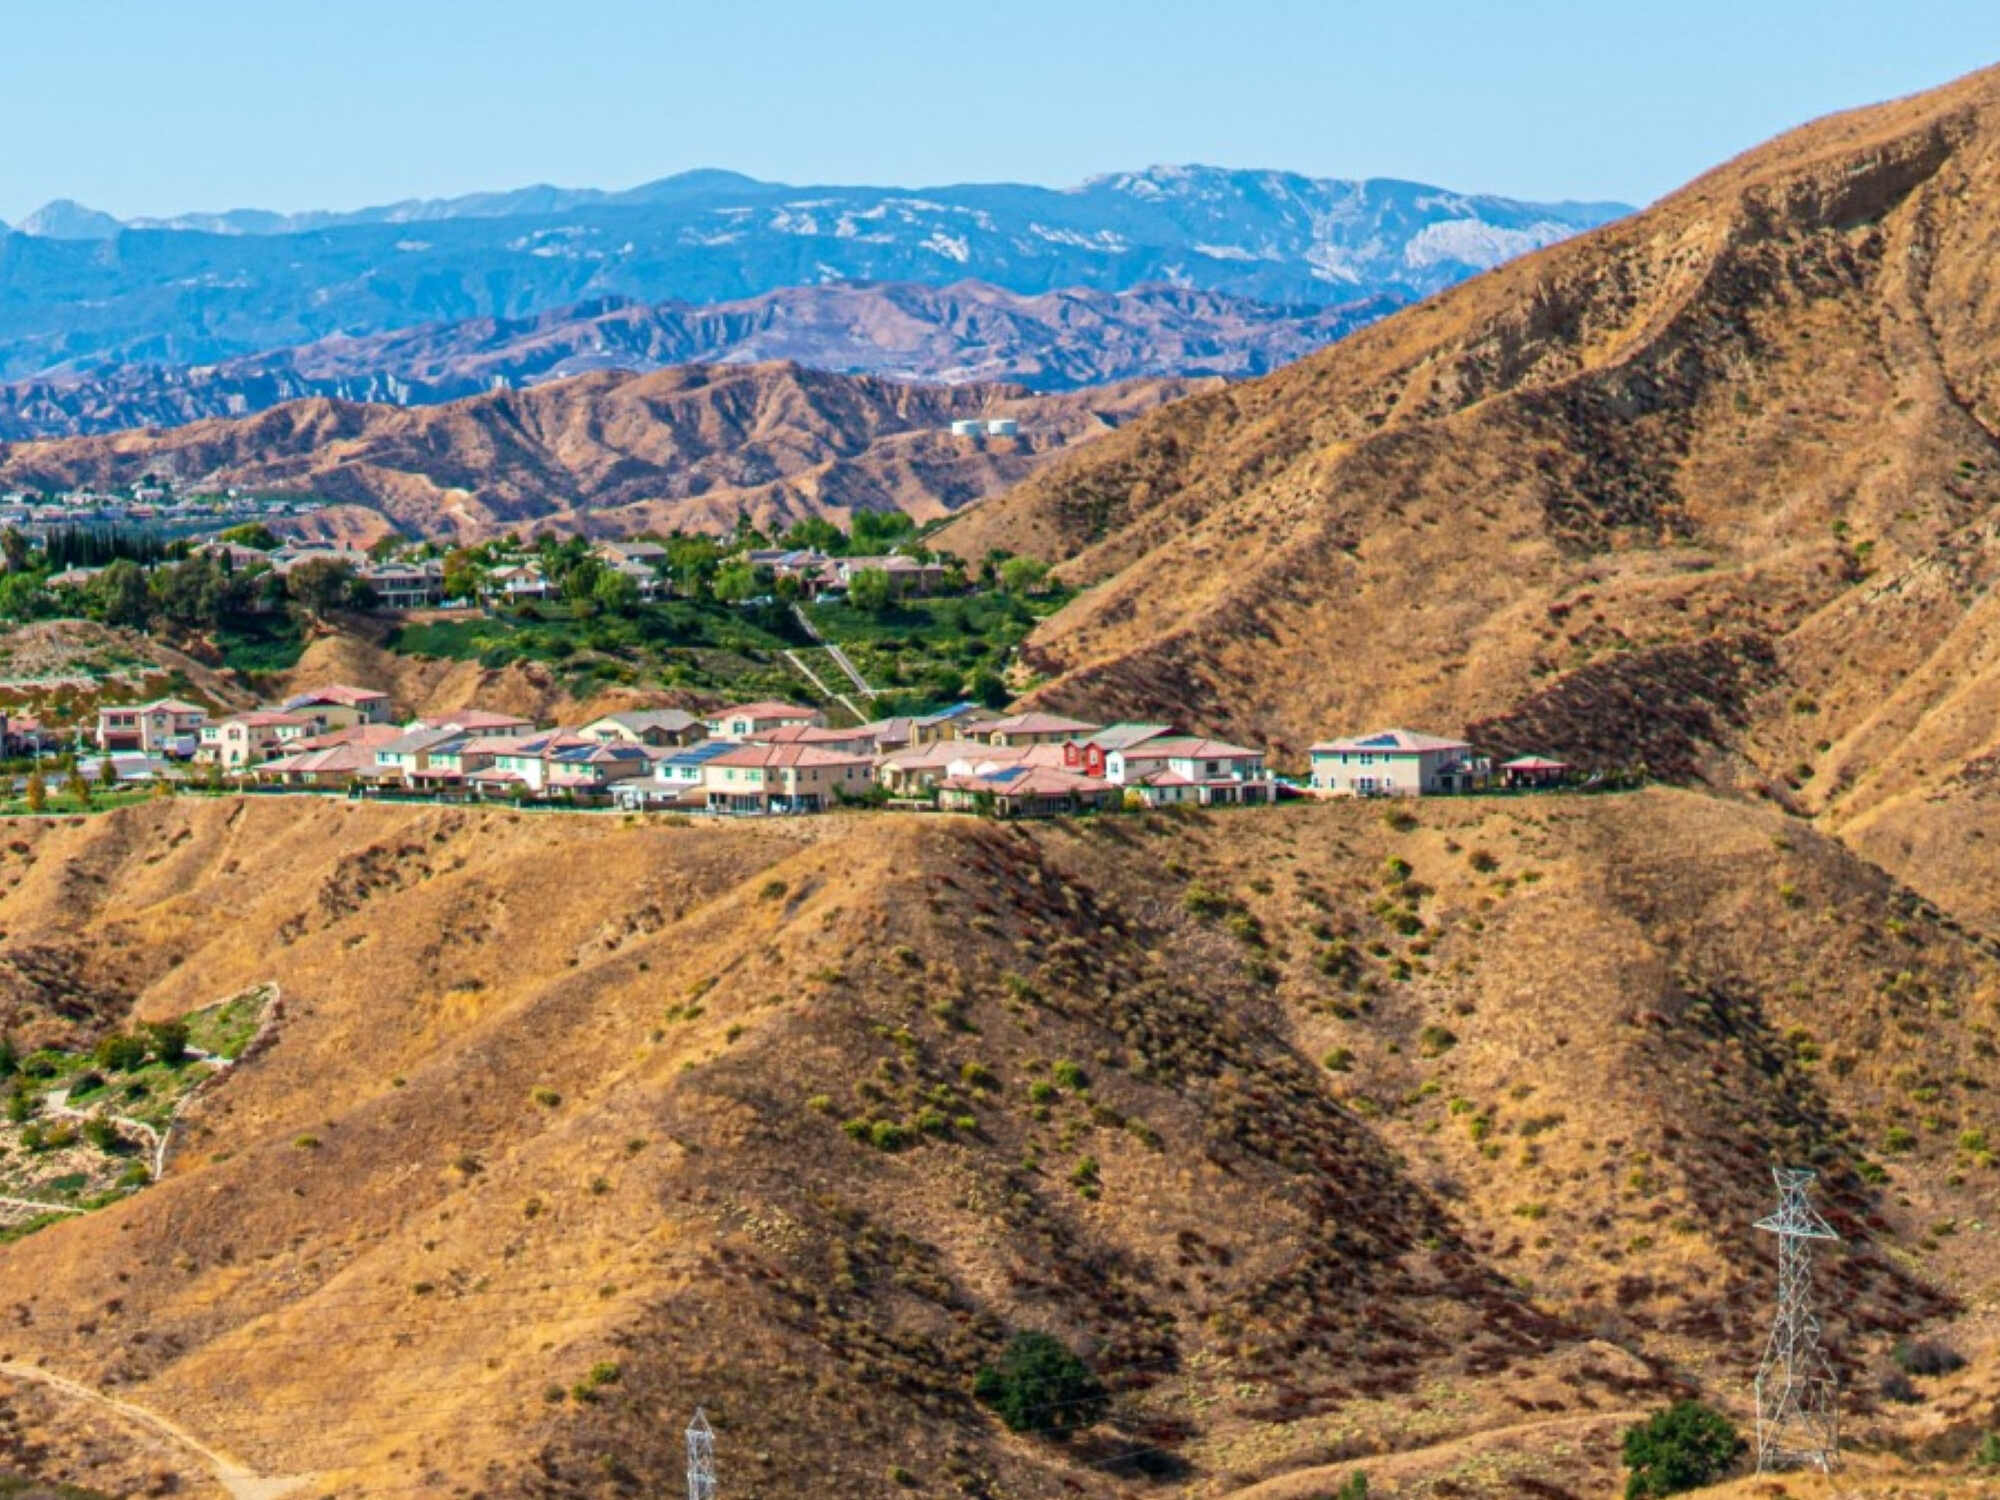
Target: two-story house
1393,763
783,778
166,726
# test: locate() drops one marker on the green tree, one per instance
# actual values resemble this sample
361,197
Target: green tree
616,593
250,534
320,586
107,772
1038,1385
464,577
167,1040
735,583
14,547
120,1051
78,788
1023,575
38,792
1681,1448
988,688
869,590
22,597
121,594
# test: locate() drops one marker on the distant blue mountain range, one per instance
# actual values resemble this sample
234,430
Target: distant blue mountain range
80,289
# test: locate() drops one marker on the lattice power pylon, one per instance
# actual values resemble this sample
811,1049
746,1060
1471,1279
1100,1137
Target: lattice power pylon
1798,1410
701,1457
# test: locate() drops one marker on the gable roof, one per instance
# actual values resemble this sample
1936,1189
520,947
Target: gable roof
338,692
1189,747
765,708
756,754
1123,736
1389,741
1038,723
638,720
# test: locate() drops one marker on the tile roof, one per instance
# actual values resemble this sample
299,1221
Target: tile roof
338,692
753,754
1398,741
673,720
1038,723
767,708
1189,747
1123,736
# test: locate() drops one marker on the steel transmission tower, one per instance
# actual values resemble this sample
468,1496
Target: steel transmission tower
701,1457
1798,1412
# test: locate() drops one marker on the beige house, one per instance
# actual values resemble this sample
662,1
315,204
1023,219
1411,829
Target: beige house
646,726
1032,729
783,778
242,740
1394,763
341,706
166,724
741,720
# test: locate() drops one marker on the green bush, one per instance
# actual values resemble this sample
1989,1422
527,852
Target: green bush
1681,1448
120,1052
1069,1075
167,1040
1038,1385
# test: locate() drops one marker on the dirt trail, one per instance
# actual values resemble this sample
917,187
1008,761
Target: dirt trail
1303,1484
242,1482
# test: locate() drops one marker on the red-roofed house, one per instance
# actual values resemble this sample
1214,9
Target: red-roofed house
339,705
783,778
1187,768
157,727
1024,791
242,740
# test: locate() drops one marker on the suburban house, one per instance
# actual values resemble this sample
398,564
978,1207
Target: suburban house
676,780
1187,768
1031,729
242,740
475,721
960,721
783,778
742,720
1088,754
1023,791
906,575
646,726
858,741
586,771
917,770
399,760
166,726
405,585
520,761
898,733
648,555
1393,763
447,766
521,581
340,706
332,760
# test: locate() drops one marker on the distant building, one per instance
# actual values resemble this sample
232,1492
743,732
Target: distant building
166,726
968,427
1003,427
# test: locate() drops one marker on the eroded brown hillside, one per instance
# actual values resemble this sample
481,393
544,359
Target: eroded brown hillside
1712,489
1327,1137
613,452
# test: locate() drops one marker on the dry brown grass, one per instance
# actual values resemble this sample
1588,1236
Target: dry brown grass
576,1088
1710,488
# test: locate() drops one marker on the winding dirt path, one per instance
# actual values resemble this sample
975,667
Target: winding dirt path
242,1482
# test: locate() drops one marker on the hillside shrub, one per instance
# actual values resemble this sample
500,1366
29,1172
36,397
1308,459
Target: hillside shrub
1069,1075
1987,1455
1927,1357
1205,901
167,1040
1353,1487
1681,1448
121,1053
1038,1385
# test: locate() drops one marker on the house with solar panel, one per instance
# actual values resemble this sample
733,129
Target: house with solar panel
1396,763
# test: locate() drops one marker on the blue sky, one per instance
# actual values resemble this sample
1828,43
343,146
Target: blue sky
146,107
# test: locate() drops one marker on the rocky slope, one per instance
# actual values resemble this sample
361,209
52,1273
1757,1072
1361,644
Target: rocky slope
690,446
210,288
1193,1093
967,331
1713,488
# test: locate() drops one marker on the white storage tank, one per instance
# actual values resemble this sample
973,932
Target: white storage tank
1003,427
967,427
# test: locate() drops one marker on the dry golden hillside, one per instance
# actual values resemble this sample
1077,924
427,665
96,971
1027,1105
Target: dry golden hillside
1431,1144
689,446
1712,488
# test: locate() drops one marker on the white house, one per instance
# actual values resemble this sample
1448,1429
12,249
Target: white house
1188,768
